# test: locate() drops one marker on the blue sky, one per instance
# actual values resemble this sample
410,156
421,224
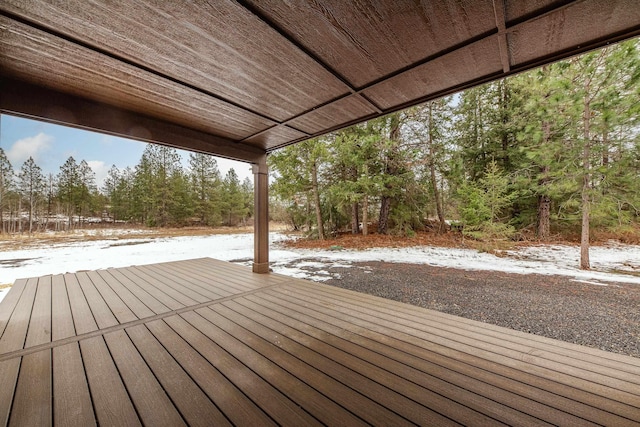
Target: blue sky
50,146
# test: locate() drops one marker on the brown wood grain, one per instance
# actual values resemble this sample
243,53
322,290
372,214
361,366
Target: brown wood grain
111,401
147,395
32,403
194,405
15,332
71,399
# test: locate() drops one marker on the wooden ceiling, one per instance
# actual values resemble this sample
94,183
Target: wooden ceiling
241,78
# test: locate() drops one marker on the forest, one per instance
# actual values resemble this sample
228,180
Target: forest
158,191
546,154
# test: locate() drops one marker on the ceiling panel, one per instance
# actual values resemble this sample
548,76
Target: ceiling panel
337,113
572,28
275,137
517,9
366,40
218,46
38,57
478,60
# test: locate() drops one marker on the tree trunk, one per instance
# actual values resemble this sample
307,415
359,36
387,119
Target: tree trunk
30,214
432,172
544,211
355,218
544,201
365,215
605,157
586,181
385,209
504,112
316,198
390,169
20,215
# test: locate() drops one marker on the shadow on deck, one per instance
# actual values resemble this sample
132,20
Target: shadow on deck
204,342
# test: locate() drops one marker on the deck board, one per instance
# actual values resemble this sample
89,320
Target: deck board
9,303
9,370
237,406
149,398
32,403
595,360
71,398
192,403
61,317
527,359
110,399
204,342
15,332
428,367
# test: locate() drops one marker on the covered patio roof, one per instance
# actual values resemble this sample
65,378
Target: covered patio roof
242,78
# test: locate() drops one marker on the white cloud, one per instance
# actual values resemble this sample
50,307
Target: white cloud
101,169
32,146
243,170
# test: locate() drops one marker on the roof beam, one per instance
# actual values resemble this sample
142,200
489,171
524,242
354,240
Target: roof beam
498,8
36,102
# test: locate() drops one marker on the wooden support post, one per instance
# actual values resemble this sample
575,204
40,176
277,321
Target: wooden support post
261,217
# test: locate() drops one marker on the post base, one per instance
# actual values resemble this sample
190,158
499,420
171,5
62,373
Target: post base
261,267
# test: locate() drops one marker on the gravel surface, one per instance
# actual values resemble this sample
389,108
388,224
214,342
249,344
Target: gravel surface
604,317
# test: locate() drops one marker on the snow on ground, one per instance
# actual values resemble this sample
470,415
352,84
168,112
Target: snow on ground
313,264
3,292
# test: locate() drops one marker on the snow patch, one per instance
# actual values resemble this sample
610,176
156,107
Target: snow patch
3,293
312,264
589,282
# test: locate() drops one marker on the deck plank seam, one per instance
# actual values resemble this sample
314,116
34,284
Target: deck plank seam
174,292
13,394
84,304
164,298
86,379
233,284
208,358
186,288
118,294
391,372
136,290
98,332
29,308
105,299
196,285
229,275
22,287
122,379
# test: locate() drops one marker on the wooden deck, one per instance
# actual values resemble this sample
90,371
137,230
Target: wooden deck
203,342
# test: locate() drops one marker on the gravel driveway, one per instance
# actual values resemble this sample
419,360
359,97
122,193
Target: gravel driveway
604,317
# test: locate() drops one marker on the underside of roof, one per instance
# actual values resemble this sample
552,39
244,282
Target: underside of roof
241,78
